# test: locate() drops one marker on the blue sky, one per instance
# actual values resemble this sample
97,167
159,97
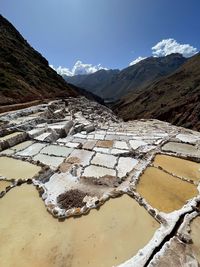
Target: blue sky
108,32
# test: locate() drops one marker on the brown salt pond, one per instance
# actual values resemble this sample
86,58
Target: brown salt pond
163,191
3,185
17,169
30,236
183,168
195,234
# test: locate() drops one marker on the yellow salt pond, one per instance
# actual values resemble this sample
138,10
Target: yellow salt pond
195,234
184,168
4,184
31,237
164,192
17,169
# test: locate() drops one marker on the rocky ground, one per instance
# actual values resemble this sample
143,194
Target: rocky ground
78,154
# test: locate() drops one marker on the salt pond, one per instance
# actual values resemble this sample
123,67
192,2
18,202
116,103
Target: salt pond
181,148
6,137
4,184
183,168
103,238
17,169
163,191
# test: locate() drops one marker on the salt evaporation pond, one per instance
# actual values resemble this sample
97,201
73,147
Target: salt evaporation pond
17,169
181,167
6,137
22,146
3,185
31,150
181,148
163,191
52,161
103,238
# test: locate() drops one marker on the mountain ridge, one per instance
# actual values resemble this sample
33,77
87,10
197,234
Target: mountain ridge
25,74
175,98
115,84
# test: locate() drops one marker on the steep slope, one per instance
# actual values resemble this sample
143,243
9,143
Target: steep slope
24,74
175,99
112,85
96,83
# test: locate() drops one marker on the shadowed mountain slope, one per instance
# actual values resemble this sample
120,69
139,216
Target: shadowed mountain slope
24,74
175,99
114,84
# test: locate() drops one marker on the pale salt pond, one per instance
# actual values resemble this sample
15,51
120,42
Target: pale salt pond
103,238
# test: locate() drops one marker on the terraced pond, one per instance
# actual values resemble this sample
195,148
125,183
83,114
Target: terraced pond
4,184
104,238
6,137
181,167
17,169
165,192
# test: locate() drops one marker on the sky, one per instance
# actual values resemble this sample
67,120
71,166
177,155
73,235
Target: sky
82,36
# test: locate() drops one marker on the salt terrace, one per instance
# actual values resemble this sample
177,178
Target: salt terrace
137,182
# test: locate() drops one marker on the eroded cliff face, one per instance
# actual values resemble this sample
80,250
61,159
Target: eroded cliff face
136,184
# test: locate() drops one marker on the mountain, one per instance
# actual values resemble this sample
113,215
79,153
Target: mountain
114,84
24,74
96,83
175,98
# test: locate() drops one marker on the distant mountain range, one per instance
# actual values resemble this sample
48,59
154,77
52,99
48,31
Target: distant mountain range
175,98
112,85
25,74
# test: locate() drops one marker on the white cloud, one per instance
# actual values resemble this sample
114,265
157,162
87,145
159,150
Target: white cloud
78,68
169,46
62,71
136,61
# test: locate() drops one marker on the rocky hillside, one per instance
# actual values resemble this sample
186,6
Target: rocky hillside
24,74
113,84
96,83
175,99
